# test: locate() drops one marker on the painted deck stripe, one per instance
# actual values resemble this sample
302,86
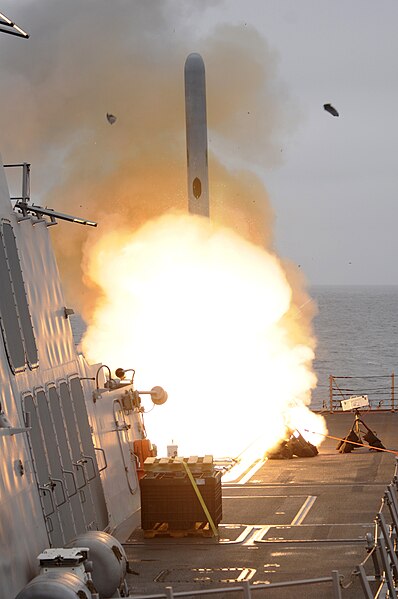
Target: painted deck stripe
263,497
252,471
303,511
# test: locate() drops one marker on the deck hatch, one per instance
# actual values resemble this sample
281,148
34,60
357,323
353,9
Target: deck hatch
203,575
316,533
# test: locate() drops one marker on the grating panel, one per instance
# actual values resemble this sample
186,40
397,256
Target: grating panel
206,575
317,533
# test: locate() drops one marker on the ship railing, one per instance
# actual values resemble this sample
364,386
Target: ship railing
378,572
24,168
247,590
380,390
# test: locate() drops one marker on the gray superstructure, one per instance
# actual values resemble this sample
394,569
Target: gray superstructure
68,463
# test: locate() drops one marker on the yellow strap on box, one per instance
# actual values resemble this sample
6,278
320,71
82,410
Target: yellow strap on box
199,496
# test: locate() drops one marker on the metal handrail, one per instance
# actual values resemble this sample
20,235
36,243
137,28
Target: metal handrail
91,459
382,548
79,465
105,466
46,488
25,184
246,588
72,474
379,388
53,483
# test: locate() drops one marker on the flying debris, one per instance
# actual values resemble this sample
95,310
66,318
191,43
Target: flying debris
110,118
331,109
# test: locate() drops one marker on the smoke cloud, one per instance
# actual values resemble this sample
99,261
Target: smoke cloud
85,59
126,57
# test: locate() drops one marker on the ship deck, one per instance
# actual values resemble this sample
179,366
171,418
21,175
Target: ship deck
293,519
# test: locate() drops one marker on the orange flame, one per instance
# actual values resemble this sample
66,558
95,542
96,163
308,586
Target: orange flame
199,310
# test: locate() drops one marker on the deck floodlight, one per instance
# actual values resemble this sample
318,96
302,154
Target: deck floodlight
158,395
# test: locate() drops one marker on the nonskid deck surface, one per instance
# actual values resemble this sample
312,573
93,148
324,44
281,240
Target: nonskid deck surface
294,519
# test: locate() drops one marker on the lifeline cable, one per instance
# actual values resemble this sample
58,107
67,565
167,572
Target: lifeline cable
352,442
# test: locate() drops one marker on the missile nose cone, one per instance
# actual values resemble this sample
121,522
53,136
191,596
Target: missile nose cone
194,63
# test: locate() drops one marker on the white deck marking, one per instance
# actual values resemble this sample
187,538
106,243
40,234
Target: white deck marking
252,472
303,511
261,496
239,470
244,535
251,534
258,533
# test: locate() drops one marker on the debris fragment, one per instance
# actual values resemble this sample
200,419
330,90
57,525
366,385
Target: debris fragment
331,109
110,118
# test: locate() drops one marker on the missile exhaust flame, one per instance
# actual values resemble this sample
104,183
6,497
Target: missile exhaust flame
194,307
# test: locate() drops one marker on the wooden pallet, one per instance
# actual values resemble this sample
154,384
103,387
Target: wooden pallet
195,464
161,529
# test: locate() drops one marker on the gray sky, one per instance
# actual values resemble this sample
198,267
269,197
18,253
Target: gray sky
331,181
335,193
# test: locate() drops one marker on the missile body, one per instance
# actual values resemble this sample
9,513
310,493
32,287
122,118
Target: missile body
196,130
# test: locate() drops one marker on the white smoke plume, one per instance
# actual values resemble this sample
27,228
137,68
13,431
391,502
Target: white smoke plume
86,59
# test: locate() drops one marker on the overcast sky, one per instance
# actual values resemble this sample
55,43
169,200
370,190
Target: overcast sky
335,195
334,183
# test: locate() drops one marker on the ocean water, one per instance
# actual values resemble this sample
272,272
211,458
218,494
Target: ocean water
357,336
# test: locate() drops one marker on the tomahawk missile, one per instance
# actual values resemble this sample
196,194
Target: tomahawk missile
196,130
